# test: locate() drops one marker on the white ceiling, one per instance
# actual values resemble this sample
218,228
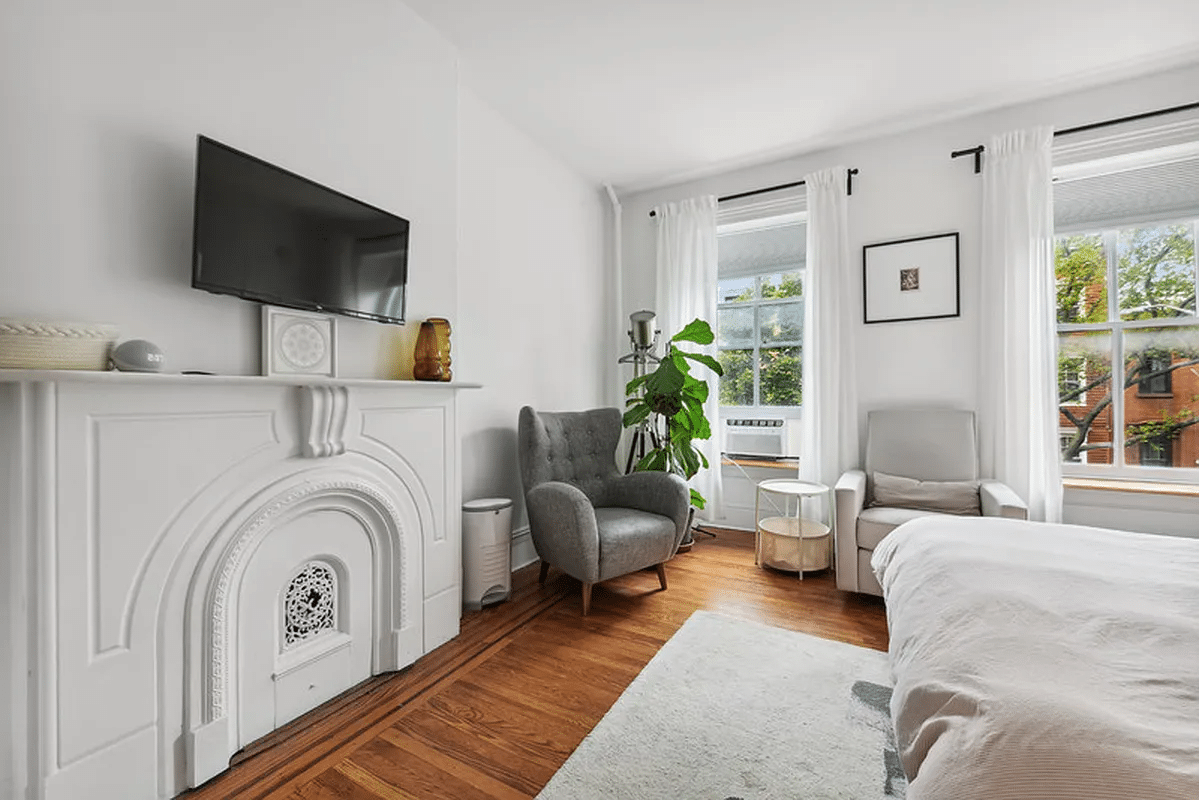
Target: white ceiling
639,94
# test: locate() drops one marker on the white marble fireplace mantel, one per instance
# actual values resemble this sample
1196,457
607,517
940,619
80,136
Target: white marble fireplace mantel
193,560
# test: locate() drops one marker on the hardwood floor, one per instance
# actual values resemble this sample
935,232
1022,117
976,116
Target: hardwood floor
495,712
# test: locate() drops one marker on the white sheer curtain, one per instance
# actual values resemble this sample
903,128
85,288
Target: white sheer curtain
686,290
829,423
1018,414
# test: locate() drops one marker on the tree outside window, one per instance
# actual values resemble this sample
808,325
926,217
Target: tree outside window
759,333
1127,296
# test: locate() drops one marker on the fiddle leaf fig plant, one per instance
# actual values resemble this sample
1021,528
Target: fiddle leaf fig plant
669,402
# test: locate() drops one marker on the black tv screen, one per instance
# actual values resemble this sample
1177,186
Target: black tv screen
266,234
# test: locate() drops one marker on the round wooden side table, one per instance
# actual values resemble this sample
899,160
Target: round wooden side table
789,536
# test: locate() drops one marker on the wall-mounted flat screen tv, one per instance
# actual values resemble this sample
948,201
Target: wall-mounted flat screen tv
263,233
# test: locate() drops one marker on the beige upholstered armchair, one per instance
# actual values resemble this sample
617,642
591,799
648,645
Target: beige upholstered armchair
919,461
585,517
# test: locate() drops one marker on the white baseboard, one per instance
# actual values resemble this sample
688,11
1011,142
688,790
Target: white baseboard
523,552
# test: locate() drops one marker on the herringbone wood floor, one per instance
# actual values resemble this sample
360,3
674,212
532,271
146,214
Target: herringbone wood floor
495,712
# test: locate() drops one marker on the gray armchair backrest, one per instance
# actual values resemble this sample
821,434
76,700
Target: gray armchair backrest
928,444
575,447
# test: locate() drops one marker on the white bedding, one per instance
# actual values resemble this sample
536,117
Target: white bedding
1043,662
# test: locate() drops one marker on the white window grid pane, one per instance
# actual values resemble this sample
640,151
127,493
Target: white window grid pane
1114,239
729,288
778,311
739,317
1084,295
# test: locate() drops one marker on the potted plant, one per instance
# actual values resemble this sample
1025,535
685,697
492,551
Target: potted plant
667,407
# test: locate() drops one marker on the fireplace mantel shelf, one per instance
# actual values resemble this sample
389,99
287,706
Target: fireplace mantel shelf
96,376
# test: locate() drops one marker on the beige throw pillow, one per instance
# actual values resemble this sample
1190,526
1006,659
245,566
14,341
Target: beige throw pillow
948,497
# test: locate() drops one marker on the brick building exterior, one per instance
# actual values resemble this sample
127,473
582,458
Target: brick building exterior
1172,395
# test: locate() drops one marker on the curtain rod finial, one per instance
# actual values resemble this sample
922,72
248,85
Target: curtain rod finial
977,152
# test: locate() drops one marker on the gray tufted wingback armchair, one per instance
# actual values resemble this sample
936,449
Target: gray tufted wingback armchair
586,518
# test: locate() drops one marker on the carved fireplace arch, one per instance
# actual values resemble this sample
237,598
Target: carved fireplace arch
391,522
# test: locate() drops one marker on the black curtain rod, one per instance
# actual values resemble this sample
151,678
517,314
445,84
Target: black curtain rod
978,151
752,192
1130,118
849,173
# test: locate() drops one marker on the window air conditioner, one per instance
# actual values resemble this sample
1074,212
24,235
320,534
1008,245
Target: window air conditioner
761,437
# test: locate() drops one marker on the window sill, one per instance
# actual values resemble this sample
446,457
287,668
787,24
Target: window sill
789,464
1136,487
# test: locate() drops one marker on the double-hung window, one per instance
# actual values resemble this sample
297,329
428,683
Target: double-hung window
1128,330
760,309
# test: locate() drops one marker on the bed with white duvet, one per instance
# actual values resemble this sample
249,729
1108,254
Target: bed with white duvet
1043,662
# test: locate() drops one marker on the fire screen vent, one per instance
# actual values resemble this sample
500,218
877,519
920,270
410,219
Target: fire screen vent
310,605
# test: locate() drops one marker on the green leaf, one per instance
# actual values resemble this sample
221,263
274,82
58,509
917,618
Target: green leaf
696,331
697,499
706,360
653,461
679,359
666,379
635,416
687,425
632,386
688,460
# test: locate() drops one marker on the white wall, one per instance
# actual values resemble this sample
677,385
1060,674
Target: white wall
530,323
102,104
909,186
1148,513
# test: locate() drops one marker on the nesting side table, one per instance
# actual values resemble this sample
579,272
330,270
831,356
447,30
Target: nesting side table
788,534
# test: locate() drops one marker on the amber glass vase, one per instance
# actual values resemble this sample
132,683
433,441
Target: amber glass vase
431,360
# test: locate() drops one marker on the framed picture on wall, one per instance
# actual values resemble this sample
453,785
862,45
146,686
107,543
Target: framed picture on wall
910,279
298,342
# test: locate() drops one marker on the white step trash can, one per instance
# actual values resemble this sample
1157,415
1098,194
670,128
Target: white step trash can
486,551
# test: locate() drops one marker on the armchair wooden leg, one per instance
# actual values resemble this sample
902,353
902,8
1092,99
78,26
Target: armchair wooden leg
545,568
662,574
587,597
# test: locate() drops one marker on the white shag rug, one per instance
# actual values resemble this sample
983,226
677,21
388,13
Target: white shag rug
734,710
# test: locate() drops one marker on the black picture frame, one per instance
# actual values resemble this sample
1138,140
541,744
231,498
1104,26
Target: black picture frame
912,279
